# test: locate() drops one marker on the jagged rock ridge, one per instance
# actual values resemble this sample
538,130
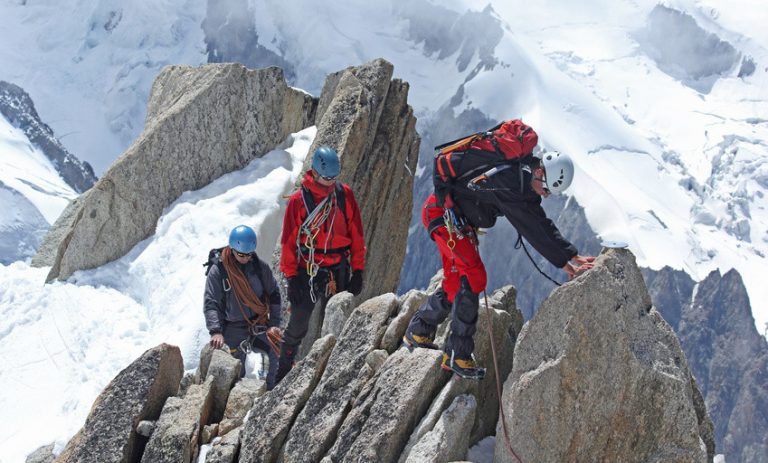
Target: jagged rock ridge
201,123
17,106
352,400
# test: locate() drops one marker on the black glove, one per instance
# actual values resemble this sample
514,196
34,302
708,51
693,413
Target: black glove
298,289
355,285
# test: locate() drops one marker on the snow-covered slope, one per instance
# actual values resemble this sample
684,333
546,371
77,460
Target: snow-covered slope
664,108
65,341
32,194
89,64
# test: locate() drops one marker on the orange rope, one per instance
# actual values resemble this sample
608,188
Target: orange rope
243,292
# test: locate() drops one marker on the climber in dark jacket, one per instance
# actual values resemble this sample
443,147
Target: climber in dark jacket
242,302
513,191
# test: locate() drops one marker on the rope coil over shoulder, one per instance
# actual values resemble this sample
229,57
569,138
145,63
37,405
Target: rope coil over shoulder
244,294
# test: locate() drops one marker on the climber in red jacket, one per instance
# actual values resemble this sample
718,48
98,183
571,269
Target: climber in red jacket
323,249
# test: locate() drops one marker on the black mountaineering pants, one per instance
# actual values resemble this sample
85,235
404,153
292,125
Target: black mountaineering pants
463,319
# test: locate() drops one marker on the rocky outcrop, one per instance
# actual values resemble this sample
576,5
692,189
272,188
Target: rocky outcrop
314,431
409,304
448,441
378,426
731,365
137,393
42,455
201,123
176,437
273,413
337,311
225,450
599,375
17,106
363,113
225,371
726,354
240,400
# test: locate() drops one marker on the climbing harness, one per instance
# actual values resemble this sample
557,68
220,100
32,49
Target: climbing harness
309,229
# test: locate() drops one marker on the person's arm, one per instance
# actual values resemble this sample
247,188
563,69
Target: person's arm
355,223
529,218
289,263
212,306
275,301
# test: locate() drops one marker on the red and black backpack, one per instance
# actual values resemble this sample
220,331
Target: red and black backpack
465,158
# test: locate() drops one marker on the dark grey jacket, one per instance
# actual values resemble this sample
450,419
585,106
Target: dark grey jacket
220,306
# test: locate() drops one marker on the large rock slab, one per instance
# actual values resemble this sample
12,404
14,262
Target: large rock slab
176,437
201,123
226,449
409,304
137,393
239,402
364,114
449,440
273,413
383,418
225,371
337,311
455,387
598,375
315,428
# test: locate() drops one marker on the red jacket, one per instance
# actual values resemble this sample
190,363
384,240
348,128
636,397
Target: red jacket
344,233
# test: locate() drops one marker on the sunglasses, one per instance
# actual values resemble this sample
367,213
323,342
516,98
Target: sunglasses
328,179
242,254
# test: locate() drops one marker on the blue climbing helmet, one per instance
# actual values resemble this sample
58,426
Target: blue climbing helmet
242,239
325,162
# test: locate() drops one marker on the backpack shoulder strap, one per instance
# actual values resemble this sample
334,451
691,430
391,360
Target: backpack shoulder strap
214,258
341,200
309,201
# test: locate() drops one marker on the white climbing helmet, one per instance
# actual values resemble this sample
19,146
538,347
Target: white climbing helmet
558,169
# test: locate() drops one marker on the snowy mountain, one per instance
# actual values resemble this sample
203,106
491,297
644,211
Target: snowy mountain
663,108
669,140
17,107
32,194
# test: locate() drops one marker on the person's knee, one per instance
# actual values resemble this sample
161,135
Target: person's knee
478,278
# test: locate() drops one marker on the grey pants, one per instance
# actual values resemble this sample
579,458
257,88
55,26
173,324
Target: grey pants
463,319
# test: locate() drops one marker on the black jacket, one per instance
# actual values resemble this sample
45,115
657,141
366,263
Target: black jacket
221,306
509,194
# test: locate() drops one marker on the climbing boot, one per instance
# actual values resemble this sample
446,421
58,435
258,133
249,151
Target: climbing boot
465,368
413,341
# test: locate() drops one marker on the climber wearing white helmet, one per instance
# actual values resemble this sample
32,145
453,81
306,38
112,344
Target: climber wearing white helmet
473,198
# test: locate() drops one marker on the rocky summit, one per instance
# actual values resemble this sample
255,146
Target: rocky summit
600,376
597,375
